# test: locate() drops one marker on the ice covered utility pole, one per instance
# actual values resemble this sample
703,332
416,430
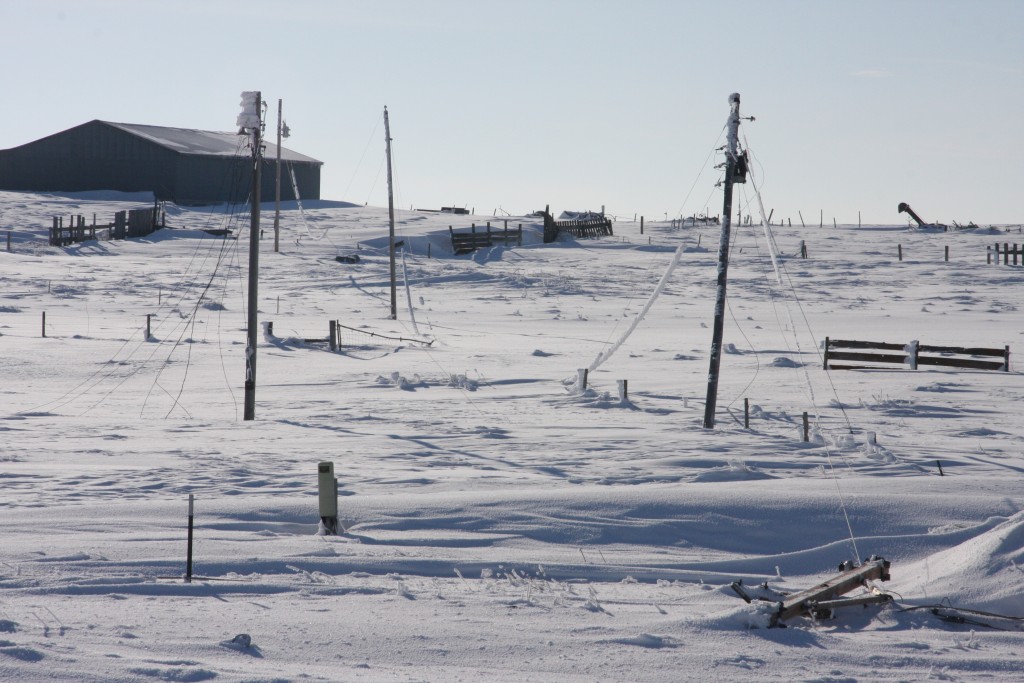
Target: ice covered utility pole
250,122
735,171
391,219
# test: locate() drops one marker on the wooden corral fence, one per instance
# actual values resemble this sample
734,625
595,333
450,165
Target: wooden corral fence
911,355
131,223
468,242
1007,252
587,227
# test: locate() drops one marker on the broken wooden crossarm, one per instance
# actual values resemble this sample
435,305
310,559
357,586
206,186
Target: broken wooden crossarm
823,608
824,593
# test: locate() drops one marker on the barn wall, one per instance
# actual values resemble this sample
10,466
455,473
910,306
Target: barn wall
93,156
96,156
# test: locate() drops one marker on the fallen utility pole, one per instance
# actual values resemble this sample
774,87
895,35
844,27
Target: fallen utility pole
821,598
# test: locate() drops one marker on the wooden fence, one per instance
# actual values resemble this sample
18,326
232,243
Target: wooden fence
468,242
911,355
586,227
1007,251
131,223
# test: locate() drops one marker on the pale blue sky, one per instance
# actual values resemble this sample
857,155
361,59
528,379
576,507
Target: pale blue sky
859,105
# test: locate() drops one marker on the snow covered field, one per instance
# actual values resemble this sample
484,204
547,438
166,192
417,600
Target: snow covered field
501,523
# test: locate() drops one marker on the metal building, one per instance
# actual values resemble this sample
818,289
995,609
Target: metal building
176,164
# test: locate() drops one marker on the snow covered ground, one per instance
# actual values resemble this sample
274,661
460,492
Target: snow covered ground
501,523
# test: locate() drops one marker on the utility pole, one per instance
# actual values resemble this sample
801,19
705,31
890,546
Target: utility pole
735,171
277,185
391,219
250,121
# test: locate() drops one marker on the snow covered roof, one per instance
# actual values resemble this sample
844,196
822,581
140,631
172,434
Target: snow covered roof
202,142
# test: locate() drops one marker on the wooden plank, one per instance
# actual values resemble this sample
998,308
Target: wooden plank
855,367
851,344
967,351
866,357
961,363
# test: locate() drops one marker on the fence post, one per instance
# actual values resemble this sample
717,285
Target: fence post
1006,358
623,390
333,335
899,249
1006,253
641,225
8,240
519,236
803,249
581,378
988,255
826,355
428,249
746,413
947,253
807,428
188,558
801,219
44,324
149,316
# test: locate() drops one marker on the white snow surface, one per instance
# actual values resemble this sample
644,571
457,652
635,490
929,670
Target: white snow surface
501,523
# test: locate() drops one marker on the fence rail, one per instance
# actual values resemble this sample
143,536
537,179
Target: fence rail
912,355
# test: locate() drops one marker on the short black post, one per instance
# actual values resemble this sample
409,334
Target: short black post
327,488
899,250
428,249
988,255
519,235
188,559
149,317
1006,253
623,389
334,335
44,324
825,363
586,376
803,249
159,297
807,428
8,240
641,225
947,252
746,413
941,473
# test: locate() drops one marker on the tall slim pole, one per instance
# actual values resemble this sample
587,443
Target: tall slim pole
254,266
731,156
391,219
277,185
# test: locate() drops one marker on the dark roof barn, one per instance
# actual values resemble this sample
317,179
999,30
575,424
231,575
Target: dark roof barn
178,164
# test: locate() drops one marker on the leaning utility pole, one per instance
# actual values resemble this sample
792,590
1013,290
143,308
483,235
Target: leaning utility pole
277,185
250,121
735,171
391,219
